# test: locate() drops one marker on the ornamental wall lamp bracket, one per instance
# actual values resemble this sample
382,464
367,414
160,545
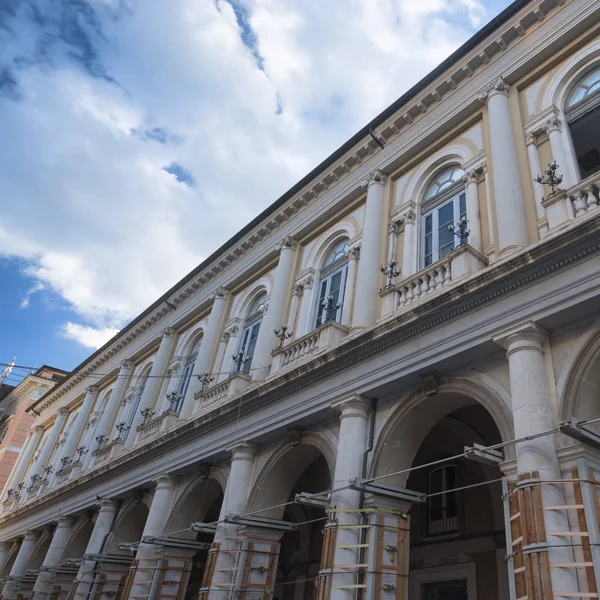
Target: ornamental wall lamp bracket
101,439
205,379
239,359
147,413
391,271
48,471
174,398
122,428
81,451
65,461
550,178
460,230
330,306
282,334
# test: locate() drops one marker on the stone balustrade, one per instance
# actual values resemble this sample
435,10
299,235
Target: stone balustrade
157,425
108,451
462,262
327,336
222,392
566,205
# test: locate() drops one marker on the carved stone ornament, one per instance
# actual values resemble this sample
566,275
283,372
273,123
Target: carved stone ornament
126,364
92,389
430,384
497,87
220,292
471,176
531,139
175,367
287,242
230,332
63,411
408,217
354,253
63,438
552,124
93,418
168,332
376,177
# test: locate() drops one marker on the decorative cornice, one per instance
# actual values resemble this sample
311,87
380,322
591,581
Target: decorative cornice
168,332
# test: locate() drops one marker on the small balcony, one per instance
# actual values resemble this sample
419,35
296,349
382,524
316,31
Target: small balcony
432,280
222,392
157,425
326,337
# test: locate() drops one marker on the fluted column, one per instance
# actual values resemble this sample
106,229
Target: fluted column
367,285
234,502
508,189
19,567
55,552
534,171
273,318
76,430
408,218
532,414
349,290
107,418
471,180
206,351
154,382
50,443
552,127
102,527
158,516
24,457
348,465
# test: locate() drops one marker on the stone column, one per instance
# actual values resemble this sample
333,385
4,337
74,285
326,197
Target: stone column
234,503
102,527
508,190
367,285
535,170
79,424
19,567
24,457
552,127
532,414
153,383
206,351
5,548
50,443
108,416
353,255
58,545
471,179
348,465
410,246
158,516
303,286
273,318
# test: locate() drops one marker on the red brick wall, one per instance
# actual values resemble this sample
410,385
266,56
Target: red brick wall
19,426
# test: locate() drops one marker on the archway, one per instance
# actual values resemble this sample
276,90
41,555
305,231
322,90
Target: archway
200,502
294,469
457,536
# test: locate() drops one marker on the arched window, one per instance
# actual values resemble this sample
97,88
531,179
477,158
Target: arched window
252,323
188,368
442,504
444,204
141,384
582,110
332,283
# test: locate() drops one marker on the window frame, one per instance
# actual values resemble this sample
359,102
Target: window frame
250,322
326,276
444,469
186,372
432,207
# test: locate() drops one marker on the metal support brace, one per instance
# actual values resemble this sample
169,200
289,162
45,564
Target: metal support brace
175,543
274,524
321,501
389,491
481,454
574,429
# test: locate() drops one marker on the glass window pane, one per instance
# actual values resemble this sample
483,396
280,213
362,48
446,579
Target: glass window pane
445,590
462,206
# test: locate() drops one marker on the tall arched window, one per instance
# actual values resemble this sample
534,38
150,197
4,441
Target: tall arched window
252,323
141,385
188,368
444,204
442,501
332,283
582,110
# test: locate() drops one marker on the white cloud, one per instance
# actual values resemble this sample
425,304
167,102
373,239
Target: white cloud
94,213
88,336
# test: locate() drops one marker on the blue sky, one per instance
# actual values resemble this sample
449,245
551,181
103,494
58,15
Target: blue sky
138,135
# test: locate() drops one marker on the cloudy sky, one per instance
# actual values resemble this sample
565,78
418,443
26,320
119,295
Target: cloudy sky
138,135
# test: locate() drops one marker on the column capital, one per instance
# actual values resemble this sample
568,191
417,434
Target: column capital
31,535
64,521
220,294
552,124
37,429
528,335
126,363
243,451
287,243
407,214
471,176
91,389
168,332
531,139
499,86
375,177
354,252
63,411
352,406
108,504
166,481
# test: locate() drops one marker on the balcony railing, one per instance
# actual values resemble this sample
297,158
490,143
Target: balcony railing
157,425
221,392
326,337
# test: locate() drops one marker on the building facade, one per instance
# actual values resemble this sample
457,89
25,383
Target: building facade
385,386
16,422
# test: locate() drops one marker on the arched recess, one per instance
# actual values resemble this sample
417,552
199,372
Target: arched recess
295,467
128,527
579,387
37,558
78,541
348,228
405,430
10,561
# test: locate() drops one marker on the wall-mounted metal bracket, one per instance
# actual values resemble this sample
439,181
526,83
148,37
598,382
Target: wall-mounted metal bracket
581,433
169,542
389,491
263,522
307,499
204,527
481,454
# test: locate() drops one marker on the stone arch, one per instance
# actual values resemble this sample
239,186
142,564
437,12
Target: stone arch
141,371
196,500
10,561
289,460
244,299
41,549
78,540
348,228
578,385
189,338
403,433
129,525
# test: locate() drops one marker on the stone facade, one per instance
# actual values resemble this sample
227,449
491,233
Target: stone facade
414,431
